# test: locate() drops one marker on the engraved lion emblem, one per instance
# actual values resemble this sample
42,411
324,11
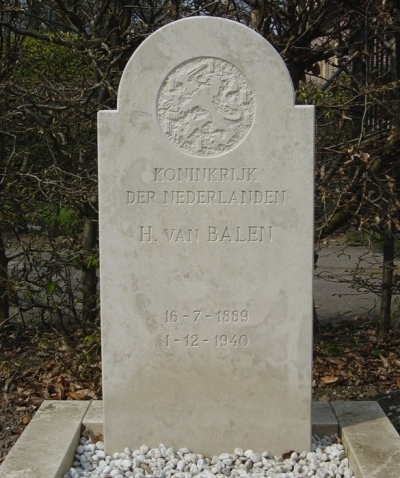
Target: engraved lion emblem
205,106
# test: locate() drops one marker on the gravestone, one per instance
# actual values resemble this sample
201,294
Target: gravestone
206,225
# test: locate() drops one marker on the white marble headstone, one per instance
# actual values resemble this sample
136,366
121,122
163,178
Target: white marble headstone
206,225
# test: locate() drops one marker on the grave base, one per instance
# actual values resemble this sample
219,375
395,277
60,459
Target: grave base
47,446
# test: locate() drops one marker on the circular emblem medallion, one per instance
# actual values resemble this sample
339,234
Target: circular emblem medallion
205,106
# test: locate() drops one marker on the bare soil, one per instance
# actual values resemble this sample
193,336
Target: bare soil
43,366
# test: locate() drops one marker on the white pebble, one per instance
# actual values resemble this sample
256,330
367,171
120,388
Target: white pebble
287,467
91,448
314,465
87,466
341,454
321,473
255,457
126,463
163,450
73,473
246,466
326,461
79,449
248,453
144,449
114,473
294,456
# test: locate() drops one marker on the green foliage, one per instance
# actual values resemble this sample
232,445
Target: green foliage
45,61
66,219
52,287
92,261
63,219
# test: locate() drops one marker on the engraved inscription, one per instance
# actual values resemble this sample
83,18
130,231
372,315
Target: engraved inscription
239,234
209,234
225,316
205,106
207,175
218,197
182,235
211,193
224,198
221,316
140,197
195,341
146,234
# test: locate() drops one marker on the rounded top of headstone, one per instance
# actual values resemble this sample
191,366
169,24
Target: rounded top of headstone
175,51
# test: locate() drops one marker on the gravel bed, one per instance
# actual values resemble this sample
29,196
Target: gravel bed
326,460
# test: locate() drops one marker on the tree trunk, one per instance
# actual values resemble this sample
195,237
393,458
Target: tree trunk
89,268
315,316
4,300
4,296
387,283
388,247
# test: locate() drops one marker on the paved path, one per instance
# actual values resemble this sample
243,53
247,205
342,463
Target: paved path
336,293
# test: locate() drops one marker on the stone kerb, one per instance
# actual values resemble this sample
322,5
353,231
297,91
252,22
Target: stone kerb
206,220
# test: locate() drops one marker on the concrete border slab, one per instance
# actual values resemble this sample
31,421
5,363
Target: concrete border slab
370,440
324,422
47,446
93,419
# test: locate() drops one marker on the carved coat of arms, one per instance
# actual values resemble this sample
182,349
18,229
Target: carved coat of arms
205,106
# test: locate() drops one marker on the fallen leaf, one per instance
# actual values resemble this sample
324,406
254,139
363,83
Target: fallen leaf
78,394
329,379
96,438
25,420
384,361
